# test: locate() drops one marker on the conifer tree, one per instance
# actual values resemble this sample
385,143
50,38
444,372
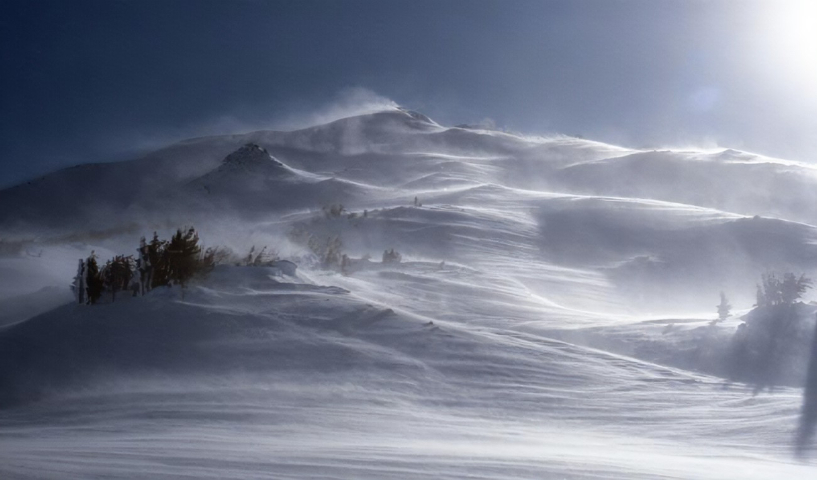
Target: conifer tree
724,308
157,258
793,287
144,270
117,274
208,260
183,256
93,282
79,283
760,298
109,282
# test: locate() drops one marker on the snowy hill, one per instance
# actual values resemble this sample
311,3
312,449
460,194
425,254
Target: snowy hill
517,338
247,370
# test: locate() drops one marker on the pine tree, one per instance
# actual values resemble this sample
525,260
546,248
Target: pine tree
137,286
332,253
259,259
109,282
157,258
391,256
143,266
93,282
724,308
183,256
79,283
760,298
208,260
792,288
117,273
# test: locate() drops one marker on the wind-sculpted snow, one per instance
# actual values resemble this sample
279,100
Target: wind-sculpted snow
550,317
247,378
739,183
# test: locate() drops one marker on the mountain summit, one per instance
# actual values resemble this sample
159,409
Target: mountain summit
250,156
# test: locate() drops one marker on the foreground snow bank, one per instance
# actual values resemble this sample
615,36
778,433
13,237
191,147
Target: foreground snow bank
298,379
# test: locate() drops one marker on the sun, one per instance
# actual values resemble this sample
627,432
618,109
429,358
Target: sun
788,35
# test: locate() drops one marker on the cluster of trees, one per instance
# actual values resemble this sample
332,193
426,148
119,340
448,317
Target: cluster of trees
773,290
391,256
338,211
764,346
334,210
157,263
327,245
329,250
260,258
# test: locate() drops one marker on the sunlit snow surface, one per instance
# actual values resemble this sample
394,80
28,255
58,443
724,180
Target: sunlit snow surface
422,369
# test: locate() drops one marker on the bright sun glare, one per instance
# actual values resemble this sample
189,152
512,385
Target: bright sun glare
790,38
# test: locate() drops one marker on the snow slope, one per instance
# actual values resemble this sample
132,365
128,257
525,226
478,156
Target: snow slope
250,378
534,271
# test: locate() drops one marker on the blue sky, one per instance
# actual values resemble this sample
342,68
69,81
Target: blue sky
96,81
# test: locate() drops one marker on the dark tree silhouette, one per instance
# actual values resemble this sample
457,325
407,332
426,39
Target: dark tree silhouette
157,258
391,256
724,309
79,282
808,414
760,297
159,262
759,347
183,253
93,281
144,268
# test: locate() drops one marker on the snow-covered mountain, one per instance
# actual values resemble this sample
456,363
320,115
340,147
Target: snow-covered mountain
678,224
478,354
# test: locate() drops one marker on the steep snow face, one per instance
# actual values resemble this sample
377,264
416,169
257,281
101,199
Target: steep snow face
252,183
522,256
249,168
